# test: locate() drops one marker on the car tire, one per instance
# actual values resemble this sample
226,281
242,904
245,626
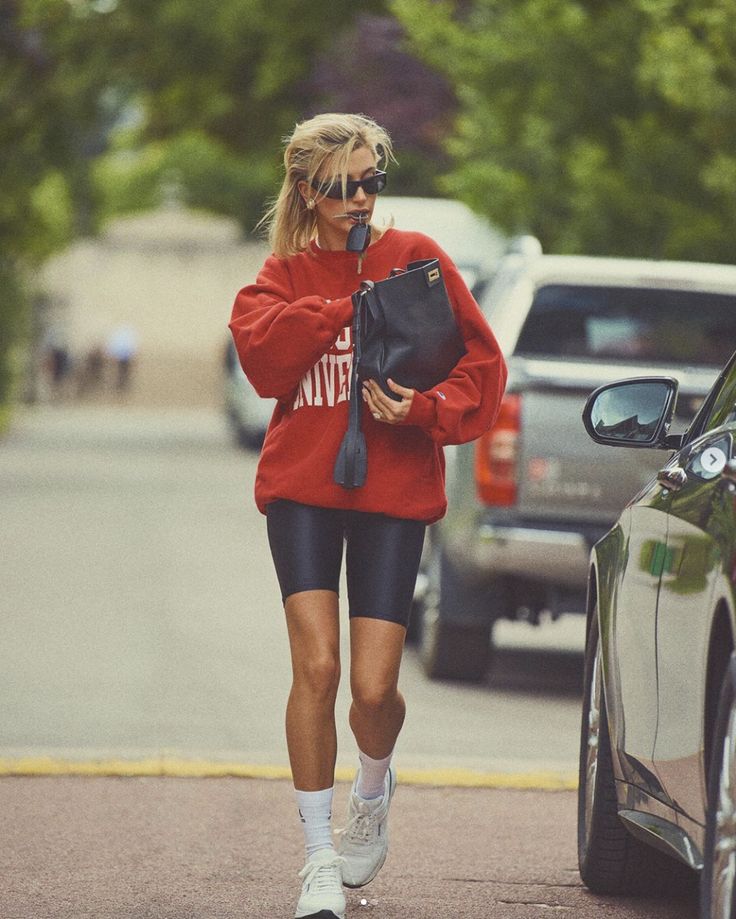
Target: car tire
718,882
414,628
243,437
248,440
416,613
451,648
610,859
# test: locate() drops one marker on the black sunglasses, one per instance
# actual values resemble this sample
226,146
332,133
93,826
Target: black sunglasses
373,185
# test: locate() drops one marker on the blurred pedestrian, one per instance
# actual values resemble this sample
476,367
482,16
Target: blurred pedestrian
57,359
91,370
292,330
122,347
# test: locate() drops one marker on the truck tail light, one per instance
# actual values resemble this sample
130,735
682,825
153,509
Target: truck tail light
497,455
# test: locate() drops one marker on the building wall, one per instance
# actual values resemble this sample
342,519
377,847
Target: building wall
172,276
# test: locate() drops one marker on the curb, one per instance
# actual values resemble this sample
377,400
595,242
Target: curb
182,768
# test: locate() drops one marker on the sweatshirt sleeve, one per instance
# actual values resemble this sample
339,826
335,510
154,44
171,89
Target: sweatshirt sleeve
278,338
465,405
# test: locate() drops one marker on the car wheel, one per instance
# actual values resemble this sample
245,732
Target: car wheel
718,884
249,440
611,860
416,616
449,649
245,438
416,620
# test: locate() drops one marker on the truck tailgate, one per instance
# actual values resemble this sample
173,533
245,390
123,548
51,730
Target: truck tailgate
563,474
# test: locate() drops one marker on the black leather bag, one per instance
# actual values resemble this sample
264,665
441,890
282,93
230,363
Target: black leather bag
403,329
407,328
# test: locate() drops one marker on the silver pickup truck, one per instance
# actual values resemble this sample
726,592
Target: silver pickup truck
528,500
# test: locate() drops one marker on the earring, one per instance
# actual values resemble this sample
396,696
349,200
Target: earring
310,204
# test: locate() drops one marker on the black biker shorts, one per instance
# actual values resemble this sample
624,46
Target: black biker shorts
381,558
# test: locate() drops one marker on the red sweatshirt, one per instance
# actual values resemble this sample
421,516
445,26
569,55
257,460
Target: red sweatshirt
292,331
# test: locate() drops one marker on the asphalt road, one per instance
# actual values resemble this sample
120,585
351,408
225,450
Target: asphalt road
143,617
152,848
143,636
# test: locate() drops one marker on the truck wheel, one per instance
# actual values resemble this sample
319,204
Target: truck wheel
718,884
611,860
416,620
245,438
249,440
416,615
449,649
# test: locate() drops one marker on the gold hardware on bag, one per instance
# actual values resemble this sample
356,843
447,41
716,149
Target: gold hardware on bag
433,275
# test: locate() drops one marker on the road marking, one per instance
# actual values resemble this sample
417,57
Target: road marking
182,768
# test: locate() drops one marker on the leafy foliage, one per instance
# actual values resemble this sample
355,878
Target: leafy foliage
49,119
369,69
107,104
600,127
211,121
215,88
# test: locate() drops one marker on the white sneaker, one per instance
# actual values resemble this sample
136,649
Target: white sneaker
322,896
364,841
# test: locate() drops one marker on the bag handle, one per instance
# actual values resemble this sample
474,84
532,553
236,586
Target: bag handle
351,464
372,316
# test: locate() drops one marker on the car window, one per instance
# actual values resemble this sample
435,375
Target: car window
635,325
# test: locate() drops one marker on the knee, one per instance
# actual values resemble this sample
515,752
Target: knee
319,676
374,697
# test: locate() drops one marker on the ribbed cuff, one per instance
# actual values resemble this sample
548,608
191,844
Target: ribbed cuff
423,411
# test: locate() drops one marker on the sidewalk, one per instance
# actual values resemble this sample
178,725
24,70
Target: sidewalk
229,848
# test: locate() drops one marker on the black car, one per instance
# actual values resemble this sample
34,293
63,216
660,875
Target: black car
657,793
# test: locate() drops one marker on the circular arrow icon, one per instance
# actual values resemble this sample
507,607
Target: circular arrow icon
712,460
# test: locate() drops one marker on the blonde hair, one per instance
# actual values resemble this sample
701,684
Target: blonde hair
323,144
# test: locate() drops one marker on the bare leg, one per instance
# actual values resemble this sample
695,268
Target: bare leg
378,708
314,637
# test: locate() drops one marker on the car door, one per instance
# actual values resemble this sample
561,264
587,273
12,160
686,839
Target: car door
633,711
699,548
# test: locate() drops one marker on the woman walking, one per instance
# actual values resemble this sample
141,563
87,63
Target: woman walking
292,330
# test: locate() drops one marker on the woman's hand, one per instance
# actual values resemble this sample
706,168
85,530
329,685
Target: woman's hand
383,407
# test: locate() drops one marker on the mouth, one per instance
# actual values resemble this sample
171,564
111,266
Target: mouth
355,217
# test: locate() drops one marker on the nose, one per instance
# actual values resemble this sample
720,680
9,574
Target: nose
360,196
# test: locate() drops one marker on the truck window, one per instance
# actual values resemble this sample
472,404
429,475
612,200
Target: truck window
630,324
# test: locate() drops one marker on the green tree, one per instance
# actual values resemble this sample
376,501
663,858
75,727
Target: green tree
601,127
105,103
211,90
50,119
369,69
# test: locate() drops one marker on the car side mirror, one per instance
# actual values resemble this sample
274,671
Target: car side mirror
632,413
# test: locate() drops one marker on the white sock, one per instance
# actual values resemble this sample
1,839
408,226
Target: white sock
315,811
371,776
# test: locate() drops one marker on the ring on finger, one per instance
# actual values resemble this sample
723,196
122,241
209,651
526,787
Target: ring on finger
377,415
